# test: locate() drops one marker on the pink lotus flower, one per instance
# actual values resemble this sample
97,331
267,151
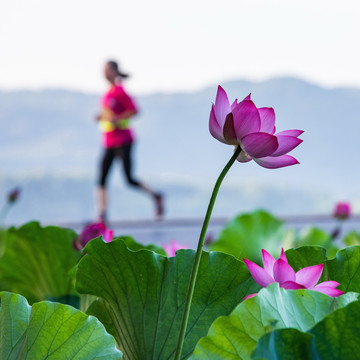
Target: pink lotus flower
243,124
281,272
173,247
95,230
342,210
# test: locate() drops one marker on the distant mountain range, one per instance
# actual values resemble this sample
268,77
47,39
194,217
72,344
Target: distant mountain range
50,145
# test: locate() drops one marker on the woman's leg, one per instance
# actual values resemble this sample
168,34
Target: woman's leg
127,164
106,162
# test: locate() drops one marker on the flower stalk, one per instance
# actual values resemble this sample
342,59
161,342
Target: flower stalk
12,197
197,258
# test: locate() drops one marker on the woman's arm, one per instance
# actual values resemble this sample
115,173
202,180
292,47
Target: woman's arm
118,105
109,115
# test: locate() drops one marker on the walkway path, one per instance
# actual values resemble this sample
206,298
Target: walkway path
187,230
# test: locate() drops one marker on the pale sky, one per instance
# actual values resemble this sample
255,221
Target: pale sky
177,45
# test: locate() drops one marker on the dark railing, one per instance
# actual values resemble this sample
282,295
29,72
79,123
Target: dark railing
186,230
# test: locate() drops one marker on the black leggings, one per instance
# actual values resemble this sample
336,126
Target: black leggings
123,153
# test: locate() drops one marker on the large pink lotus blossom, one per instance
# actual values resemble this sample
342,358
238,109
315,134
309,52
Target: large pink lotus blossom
342,210
253,129
281,272
95,230
172,247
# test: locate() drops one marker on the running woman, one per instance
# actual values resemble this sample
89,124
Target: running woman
118,138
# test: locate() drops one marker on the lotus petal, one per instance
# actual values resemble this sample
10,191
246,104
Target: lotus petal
246,118
283,256
108,235
270,162
92,231
330,283
268,262
292,285
229,131
328,290
267,116
250,296
286,144
222,106
310,275
258,273
234,104
295,133
172,247
215,129
283,272
259,144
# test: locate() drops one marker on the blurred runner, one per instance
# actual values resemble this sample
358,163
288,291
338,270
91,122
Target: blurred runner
117,110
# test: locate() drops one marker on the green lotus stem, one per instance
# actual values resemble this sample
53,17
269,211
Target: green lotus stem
196,263
3,212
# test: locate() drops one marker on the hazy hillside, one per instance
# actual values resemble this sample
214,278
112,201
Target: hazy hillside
49,143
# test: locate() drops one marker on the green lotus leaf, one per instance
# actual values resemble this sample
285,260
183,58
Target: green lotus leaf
51,331
236,336
352,238
99,309
345,269
37,261
306,256
135,246
284,344
313,236
335,337
143,294
247,234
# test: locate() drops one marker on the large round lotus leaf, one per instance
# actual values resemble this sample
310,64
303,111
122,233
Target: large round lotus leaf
335,337
306,256
37,261
246,235
284,344
143,295
51,331
135,246
344,268
235,336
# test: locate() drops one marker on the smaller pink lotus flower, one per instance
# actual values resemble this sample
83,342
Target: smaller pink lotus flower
253,129
281,272
173,247
342,210
95,230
